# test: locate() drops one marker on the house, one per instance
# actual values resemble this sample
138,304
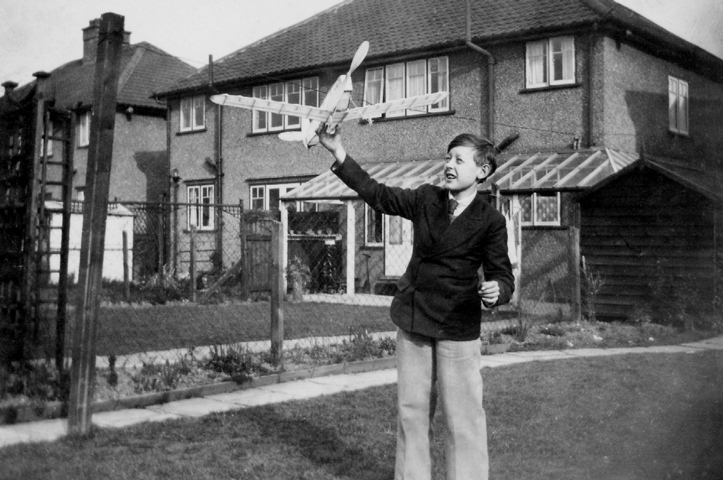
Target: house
140,164
44,139
593,88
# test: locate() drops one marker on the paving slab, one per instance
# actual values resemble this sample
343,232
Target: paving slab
193,407
303,389
42,431
358,381
129,417
253,397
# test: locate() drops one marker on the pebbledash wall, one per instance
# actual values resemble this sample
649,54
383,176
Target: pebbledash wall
635,108
140,159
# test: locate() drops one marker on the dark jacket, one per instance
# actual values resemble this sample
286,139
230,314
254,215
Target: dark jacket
437,295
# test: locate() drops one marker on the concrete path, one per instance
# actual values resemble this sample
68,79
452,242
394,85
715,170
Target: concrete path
50,430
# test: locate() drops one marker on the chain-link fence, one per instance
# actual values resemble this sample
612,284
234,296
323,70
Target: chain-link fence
217,288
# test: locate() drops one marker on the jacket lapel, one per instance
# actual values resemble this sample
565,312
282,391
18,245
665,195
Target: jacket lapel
459,231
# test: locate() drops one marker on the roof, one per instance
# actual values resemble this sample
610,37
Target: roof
679,171
409,26
332,36
145,69
571,170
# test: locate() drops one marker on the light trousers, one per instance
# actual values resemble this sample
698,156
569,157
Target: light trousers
427,369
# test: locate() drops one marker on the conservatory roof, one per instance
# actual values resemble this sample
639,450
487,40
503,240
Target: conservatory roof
517,172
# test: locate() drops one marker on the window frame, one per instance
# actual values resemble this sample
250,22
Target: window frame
378,78
197,210
188,114
308,94
265,198
677,102
534,221
379,223
548,62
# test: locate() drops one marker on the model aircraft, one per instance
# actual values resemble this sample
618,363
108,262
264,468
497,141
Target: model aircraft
333,110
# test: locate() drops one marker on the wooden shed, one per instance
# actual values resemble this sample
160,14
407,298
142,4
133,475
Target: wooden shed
652,232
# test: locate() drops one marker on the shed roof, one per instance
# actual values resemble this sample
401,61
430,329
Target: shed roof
518,172
680,171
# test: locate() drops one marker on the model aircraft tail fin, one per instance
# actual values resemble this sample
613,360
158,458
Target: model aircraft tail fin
295,136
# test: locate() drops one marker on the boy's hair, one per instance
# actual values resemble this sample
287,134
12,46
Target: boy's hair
484,152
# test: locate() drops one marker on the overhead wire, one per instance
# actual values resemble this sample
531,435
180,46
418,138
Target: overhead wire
239,68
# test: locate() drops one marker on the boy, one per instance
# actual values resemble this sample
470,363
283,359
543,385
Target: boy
437,306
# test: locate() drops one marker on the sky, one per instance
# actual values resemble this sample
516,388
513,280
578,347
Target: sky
41,35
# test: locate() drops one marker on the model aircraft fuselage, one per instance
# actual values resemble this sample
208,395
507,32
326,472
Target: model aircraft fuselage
333,110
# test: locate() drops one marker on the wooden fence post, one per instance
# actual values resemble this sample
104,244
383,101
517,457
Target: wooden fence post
244,255
574,272
126,269
100,155
161,241
192,266
277,286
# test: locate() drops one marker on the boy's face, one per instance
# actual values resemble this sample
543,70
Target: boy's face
461,173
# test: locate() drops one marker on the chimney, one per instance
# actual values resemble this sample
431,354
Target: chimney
90,40
9,87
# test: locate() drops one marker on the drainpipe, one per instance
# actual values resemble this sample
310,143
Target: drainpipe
490,75
219,165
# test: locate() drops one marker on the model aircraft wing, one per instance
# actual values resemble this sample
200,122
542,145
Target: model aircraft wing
305,111
380,108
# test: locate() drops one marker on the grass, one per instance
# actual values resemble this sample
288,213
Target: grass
637,417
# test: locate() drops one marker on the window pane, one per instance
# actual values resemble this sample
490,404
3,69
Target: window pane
199,111
186,104
83,131
526,208
260,117
257,198
293,96
439,81
374,226
395,230
311,91
192,211
673,104
683,106
373,86
394,88
207,199
276,93
562,59
546,208
416,83
537,63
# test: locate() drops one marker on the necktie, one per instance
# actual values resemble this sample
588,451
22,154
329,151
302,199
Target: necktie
451,208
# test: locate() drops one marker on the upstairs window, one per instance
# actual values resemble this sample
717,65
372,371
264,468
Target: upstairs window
402,80
193,113
200,213
550,62
540,209
677,105
84,129
303,91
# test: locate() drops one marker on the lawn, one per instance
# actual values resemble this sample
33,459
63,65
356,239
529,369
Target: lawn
132,329
639,416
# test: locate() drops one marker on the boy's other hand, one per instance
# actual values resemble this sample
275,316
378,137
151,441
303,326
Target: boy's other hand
489,292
